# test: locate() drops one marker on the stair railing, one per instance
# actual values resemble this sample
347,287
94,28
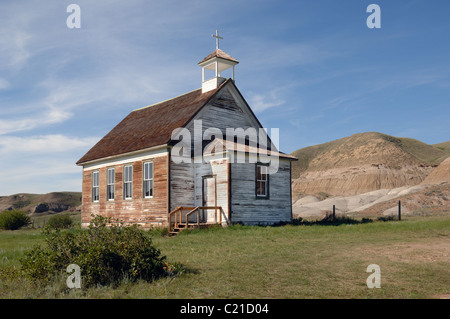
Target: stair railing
177,213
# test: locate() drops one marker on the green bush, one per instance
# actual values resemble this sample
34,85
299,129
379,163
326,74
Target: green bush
60,221
106,253
13,219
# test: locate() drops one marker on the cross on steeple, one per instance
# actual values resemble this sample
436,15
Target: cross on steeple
217,38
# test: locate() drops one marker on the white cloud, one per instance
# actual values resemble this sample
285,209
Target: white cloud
13,44
3,84
261,102
41,164
50,116
39,176
47,144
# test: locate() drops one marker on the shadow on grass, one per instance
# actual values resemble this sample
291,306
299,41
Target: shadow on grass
331,220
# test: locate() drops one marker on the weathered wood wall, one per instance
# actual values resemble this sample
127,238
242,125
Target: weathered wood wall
181,185
187,186
218,169
147,212
226,110
247,208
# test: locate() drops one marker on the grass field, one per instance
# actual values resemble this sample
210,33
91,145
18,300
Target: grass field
275,262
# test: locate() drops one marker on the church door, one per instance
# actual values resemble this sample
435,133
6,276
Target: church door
209,199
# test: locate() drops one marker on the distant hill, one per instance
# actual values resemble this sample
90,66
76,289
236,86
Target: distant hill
440,174
443,146
42,203
362,163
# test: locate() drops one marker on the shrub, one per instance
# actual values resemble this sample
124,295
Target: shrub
14,219
60,221
386,218
106,254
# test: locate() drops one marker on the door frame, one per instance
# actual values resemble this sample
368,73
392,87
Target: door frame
203,193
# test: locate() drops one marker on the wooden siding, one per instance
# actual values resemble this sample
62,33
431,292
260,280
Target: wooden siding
144,211
247,208
218,169
186,185
226,110
181,185
237,198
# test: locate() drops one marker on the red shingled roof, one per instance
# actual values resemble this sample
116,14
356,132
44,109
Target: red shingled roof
150,126
219,54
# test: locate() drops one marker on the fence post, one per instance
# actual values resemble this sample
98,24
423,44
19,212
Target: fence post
399,210
334,211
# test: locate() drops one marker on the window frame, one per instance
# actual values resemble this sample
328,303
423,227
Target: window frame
110,184
265,181
149,178
126,182
95,188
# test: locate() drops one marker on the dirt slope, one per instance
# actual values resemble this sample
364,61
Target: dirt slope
362,163
440,174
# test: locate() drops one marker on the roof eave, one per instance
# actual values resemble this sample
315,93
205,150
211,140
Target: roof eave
112,157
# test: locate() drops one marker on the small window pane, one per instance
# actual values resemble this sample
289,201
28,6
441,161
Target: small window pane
128,181
110,184
261,181
95,187
148,179
263,173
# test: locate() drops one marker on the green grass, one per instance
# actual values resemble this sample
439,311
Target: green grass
426,153
276,262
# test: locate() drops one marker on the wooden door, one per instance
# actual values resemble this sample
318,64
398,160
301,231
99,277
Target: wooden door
209,194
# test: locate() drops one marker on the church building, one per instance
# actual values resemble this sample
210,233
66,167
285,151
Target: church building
197,159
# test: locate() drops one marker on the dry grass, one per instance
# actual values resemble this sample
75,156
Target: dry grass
286,262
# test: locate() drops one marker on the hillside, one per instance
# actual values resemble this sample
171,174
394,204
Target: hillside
416,200
42,203
362,163
443,146
440,174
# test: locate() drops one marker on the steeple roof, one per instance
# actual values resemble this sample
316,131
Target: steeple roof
218,53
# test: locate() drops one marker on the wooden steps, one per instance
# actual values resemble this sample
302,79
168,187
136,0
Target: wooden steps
180,227
181,221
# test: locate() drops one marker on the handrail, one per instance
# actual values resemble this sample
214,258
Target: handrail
190,213
178,212
175,211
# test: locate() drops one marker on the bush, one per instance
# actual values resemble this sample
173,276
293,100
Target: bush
105,254
60,222
386,218
14,219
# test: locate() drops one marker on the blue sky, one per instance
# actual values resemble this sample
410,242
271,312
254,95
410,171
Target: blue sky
313,69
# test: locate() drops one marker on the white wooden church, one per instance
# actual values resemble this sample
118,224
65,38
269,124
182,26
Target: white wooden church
133,175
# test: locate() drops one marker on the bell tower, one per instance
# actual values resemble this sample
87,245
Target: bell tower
218,61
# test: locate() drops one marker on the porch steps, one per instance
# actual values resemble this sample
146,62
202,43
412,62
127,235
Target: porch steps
176,226
181,227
